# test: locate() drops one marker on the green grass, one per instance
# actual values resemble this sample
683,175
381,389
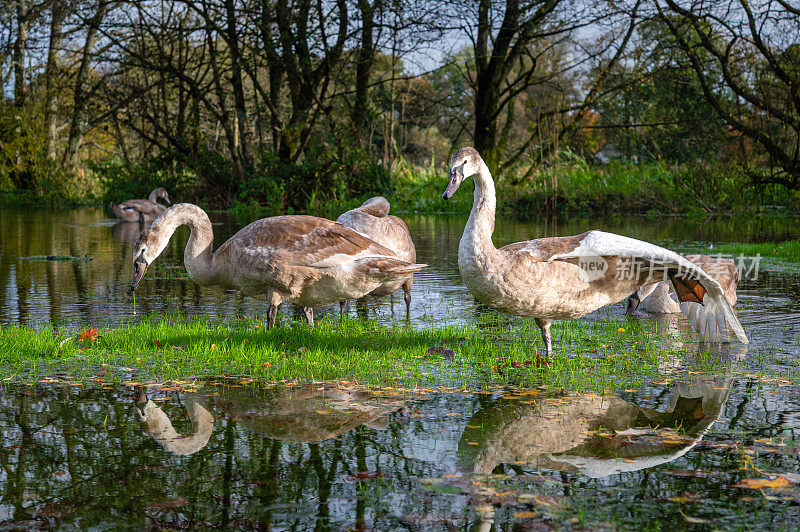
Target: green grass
574,188
589,355
788,251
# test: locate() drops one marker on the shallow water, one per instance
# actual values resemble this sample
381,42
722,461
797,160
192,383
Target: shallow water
96,291
102,455
322,457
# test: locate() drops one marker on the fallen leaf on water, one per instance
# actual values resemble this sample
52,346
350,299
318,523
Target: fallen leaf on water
634,432
364,475
172,503
794,478
88,334
525,515
760,483
693,520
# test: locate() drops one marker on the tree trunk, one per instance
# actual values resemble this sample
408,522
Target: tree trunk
59,12
366,55
245,135
20,44
80,119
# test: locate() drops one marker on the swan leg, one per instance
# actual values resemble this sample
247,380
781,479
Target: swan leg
309,312
544,325
407,297
342,306
272,313
274,299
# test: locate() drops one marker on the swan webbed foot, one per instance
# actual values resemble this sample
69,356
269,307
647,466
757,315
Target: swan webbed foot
544,325
309,312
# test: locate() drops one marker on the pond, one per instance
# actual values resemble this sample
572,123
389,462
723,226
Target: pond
670,454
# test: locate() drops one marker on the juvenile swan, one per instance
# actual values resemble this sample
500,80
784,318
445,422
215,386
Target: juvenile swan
542,278
373,220
657,299
139,210
307,260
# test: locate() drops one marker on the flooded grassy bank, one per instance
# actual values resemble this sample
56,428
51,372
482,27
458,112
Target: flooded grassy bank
605,354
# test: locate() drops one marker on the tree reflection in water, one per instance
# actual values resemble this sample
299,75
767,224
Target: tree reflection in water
326,457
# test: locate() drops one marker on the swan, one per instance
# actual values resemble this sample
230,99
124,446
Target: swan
139,210
372,219
566,277
307,260
656,298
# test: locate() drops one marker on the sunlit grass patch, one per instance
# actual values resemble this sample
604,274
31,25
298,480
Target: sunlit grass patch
788,250
497,351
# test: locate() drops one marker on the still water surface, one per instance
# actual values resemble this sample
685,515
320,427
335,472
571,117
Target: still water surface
343,458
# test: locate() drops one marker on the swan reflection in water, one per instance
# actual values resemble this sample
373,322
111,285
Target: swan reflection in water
127,231
562,433
157,424
296,414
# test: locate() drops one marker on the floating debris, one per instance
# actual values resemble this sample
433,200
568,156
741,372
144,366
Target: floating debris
57,258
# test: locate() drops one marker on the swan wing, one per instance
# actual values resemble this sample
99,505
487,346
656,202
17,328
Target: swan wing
304,241
701,297
144,206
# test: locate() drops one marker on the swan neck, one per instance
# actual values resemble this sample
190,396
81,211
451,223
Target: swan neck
153,197
480,225
198,255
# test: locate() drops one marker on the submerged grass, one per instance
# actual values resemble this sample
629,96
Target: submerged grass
596,355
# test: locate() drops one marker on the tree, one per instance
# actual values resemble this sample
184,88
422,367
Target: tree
752,48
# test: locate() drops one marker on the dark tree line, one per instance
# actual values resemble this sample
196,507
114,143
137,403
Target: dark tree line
241,88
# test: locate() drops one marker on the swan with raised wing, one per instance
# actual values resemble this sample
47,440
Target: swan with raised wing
141,210
564,278
657,298
306,260
372,219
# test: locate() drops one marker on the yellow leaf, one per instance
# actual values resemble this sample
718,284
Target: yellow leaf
525,515
760,483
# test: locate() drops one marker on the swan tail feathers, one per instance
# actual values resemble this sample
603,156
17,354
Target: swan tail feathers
390,268
714,319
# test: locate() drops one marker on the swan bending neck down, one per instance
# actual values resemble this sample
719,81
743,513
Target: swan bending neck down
567,277
372,219
307,260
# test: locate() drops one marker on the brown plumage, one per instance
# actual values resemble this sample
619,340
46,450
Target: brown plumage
567,277
372,219
307,260
140,210
656,298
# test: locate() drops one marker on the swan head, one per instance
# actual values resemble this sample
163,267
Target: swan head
465,163
148,247
161,192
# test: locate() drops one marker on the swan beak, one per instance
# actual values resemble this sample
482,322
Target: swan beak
456,175
166,198
139,267
633,303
